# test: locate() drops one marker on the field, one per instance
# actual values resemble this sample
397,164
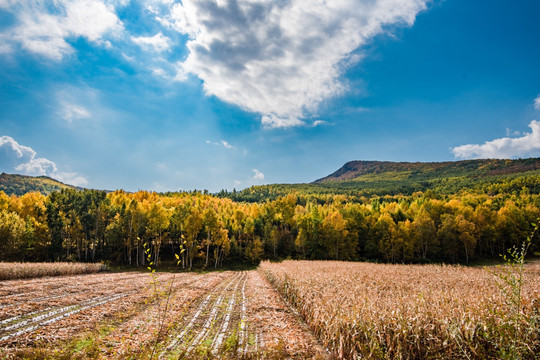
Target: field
134,315
362,310
351,311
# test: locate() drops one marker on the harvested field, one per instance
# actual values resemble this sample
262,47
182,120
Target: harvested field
362,310
118,316
351,310
15,270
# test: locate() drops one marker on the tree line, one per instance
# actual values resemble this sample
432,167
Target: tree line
117,227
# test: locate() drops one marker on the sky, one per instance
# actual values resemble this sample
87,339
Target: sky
168,95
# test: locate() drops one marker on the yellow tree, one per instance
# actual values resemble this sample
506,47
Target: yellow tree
223,245
158,222
210,222
335,230
424,236
385,234
193,224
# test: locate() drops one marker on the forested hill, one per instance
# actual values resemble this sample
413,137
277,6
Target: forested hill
380,178
381,170
13,184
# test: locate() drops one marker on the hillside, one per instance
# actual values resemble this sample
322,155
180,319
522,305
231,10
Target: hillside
379,178
384,170
13,184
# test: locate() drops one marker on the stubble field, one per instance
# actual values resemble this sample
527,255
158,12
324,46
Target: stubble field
376,311
134,315
351,311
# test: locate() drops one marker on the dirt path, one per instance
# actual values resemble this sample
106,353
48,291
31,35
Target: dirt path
215,315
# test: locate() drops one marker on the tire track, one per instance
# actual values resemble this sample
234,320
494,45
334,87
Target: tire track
41,299
55,292
220,335
213,317
242,340
30,321
20,283
61,296
19,325
201,321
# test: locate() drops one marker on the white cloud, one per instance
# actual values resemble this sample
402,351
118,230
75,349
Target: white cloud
158,72
223,143
37,166
280,58
23,159
537,103
275,121
258,175
226,145
43,26
503,148
181,74
319,123
70,112
158,42
510,132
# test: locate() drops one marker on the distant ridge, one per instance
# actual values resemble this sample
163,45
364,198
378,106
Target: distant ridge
382,178
14,184
358,170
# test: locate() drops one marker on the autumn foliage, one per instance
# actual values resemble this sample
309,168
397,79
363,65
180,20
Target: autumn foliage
93,226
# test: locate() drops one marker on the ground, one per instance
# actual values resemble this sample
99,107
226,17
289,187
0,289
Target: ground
230,314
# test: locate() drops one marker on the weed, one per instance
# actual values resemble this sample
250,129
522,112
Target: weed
510,281
162,294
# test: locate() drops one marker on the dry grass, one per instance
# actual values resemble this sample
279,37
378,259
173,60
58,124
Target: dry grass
14,270
375,311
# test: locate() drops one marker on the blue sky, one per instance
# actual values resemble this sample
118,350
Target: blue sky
210,94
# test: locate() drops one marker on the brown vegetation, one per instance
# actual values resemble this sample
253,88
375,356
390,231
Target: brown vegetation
17,270
403,311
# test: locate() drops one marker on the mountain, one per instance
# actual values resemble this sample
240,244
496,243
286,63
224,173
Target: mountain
13,184
384,170
365,179
380,178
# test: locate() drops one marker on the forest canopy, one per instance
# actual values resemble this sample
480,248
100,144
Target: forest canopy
453,212
115,227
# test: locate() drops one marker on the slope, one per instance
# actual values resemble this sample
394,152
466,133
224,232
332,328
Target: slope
13,184
380,178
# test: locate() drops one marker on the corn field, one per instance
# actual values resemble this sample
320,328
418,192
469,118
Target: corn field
15,270
376,311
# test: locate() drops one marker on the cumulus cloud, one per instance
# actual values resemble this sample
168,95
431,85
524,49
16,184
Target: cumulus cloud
258,175
43,26
537,103
280,58
158,42
503,148
24,159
